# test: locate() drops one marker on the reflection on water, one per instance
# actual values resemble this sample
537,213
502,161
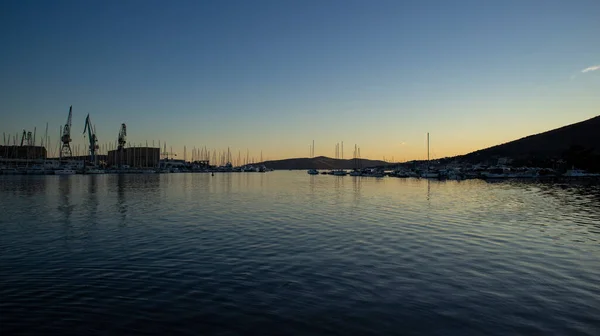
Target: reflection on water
225,254
121,201
64,194
356,192
429,190
92,200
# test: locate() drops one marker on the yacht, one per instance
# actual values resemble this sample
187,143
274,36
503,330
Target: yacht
578,173
373,173
339,173
313,172
249,168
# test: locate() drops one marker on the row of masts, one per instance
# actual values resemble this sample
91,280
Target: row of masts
220,157
339,151
213,156
94,150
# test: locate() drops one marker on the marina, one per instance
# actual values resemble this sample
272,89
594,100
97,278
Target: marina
26,157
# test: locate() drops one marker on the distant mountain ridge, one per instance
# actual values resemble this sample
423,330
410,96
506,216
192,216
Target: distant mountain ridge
577,145
554,142
321,162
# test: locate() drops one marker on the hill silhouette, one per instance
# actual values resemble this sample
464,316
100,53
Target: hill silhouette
572,145
322,162
576,144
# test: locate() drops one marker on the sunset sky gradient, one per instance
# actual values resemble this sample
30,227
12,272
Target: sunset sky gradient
275,75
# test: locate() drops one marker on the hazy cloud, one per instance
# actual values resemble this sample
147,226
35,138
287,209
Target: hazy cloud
592,68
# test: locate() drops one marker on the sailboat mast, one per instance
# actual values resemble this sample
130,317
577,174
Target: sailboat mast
427,151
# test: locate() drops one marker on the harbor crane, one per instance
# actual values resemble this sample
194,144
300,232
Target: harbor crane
23,137
122,140
26,139
65,150
92,139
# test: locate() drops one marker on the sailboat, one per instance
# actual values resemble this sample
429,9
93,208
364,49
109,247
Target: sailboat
356,171
427,173
339,172
312,155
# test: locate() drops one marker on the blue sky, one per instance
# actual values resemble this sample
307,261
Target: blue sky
274,75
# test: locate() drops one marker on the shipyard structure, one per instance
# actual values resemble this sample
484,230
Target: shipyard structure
23,152
137,157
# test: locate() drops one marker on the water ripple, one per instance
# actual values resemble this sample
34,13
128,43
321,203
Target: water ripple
287,253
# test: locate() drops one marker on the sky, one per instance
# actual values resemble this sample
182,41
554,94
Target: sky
272,76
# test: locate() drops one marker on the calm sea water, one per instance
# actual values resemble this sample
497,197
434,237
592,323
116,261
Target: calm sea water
288,253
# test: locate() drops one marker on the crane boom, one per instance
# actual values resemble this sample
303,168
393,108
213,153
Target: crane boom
65,150
122,136
122,140
92,139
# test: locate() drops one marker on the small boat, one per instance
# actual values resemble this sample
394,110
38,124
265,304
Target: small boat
339,173
430,175
36,170
495,173
313,172
579,173
401,174
65,171
8,171
94,171
373,174
370,172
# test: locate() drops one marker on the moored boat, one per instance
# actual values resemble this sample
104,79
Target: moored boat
8,171
94,171
65,171
579,173
339,173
